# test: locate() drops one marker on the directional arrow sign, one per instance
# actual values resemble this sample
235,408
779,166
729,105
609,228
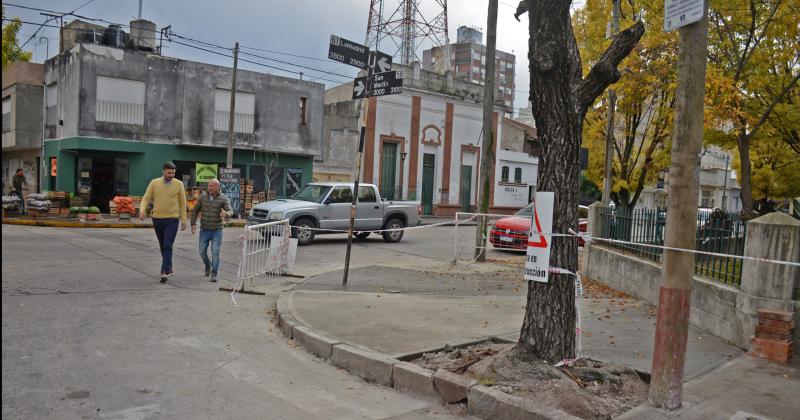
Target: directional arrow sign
387,83
348,52
383,62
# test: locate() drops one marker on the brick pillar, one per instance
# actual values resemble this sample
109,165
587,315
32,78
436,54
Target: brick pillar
765,285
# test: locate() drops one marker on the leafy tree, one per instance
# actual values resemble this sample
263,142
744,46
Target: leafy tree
753,77
11,49
646,98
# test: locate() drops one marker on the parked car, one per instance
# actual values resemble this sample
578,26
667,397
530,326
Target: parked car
326,205
512,232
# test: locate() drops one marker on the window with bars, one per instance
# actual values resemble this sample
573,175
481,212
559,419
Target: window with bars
518,175
120,100
504,174
244,114
303,100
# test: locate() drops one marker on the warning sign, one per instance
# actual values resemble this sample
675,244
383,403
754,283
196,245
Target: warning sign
537,260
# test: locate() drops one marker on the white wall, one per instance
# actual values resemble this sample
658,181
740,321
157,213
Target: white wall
511,194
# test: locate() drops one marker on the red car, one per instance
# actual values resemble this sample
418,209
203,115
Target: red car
512,232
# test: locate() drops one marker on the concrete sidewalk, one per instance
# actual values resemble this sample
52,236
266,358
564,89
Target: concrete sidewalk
400,312
743,388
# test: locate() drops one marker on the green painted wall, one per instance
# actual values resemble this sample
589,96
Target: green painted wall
145,159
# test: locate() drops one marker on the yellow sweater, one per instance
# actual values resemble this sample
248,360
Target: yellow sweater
169,199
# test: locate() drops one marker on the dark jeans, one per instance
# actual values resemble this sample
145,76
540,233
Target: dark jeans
166,230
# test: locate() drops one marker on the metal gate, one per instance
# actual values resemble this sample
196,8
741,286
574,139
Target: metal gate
465,192
388,170
265,252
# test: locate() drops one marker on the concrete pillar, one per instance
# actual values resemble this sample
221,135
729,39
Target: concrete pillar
594,228
775,236
595,218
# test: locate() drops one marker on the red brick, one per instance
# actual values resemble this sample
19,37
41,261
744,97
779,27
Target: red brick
772,323
778,351
773,314
773,337
763,329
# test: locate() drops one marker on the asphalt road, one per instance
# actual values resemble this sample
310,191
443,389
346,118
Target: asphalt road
89,332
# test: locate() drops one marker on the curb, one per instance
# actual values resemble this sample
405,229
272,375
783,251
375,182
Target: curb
89,225
445,386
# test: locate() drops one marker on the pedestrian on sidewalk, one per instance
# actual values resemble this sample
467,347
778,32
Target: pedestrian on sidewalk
18,183
215,209
169,208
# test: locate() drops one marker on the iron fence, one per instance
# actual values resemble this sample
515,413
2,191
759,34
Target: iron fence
717,231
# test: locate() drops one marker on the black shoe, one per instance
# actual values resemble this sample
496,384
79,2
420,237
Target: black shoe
213,277
208,270
164,277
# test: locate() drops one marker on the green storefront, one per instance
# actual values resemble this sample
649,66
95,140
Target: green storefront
99,169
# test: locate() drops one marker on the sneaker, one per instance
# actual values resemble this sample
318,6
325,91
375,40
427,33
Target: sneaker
164,277
208,270
213,277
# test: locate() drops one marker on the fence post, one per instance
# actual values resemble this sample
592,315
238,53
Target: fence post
767,285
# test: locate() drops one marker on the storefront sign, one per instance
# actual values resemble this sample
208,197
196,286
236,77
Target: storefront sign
205,172
229,186
294,180
537,260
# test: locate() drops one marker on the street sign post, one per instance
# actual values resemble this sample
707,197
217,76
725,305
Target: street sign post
348,52
679,13
537,260
379,81
387,83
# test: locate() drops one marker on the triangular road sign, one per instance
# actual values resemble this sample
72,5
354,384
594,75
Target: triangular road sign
542,241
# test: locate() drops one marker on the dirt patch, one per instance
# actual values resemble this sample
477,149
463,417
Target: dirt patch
596,290
588,389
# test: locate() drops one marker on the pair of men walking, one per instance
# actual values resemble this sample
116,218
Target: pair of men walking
168,197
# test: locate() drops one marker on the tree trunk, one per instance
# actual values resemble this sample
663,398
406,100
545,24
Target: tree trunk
560,98
743,141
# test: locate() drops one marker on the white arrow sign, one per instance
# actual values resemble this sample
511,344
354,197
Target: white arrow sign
359,88
384,65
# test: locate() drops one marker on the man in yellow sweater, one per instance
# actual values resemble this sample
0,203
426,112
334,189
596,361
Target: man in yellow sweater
169,208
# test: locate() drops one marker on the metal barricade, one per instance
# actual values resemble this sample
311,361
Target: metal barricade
265,252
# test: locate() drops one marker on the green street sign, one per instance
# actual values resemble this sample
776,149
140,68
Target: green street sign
205,172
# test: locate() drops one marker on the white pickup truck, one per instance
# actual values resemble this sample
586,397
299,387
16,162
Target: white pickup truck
326,205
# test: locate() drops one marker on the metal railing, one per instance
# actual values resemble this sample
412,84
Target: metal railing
265,251
718,231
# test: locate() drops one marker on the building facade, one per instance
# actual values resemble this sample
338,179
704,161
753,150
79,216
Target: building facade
22,122
467,61
425,144
114,115
719,186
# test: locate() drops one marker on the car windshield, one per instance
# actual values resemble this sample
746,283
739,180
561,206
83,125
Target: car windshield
526,211
313,193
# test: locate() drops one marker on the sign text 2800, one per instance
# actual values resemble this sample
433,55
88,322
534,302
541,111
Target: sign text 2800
347,60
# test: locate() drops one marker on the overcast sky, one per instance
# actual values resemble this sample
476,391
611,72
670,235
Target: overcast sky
300,27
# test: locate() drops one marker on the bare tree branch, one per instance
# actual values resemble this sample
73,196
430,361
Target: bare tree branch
605,72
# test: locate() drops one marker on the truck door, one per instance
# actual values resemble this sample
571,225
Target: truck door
369,213
335,210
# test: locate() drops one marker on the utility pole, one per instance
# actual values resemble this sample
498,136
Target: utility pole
140,9
612,105
672,324
487,155
229,163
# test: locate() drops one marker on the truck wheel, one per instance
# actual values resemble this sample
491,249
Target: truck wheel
302,231
362,235
394,236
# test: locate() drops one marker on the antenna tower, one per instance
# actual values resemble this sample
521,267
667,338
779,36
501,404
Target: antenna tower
399,27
